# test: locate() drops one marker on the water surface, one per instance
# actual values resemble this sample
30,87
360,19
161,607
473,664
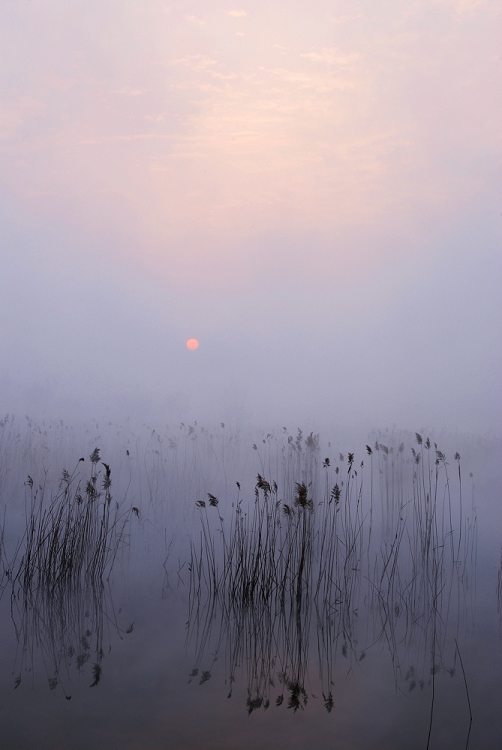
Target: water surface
281,613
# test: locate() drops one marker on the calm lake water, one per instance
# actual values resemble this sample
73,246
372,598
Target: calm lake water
193,588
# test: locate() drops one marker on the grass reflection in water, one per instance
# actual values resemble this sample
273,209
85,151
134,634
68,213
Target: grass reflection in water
330,563
60,600
349,557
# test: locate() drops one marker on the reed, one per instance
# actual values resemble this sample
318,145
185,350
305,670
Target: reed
326,561
61,567
372,561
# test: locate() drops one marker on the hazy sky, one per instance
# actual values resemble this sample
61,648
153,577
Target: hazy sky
312,189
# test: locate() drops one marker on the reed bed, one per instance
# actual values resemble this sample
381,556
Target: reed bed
60,570
331,558
369,553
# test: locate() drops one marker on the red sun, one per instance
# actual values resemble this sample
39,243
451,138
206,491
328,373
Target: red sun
192,344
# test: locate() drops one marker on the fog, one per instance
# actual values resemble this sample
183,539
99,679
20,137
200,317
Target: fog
314,195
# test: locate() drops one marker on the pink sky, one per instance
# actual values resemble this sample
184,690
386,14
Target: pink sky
220,160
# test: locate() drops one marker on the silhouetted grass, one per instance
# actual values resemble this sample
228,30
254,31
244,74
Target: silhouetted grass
60,568
371,560
337,555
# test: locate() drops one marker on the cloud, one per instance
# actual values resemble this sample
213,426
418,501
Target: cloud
128,92
198,62
195,19
462,7
344,19
330,56
303,80
246,139
15,114
117,138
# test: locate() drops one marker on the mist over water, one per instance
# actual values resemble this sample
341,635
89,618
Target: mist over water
290,535
266,582
411,341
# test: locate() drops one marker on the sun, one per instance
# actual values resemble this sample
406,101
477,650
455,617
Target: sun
192,344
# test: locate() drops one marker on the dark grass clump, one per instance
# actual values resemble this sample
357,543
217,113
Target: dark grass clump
74,536
61,568
348,561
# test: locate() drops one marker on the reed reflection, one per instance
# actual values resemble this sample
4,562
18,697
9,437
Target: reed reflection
61,603
354,556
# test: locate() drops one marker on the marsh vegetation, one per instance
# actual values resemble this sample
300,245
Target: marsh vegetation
356,555
293,564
